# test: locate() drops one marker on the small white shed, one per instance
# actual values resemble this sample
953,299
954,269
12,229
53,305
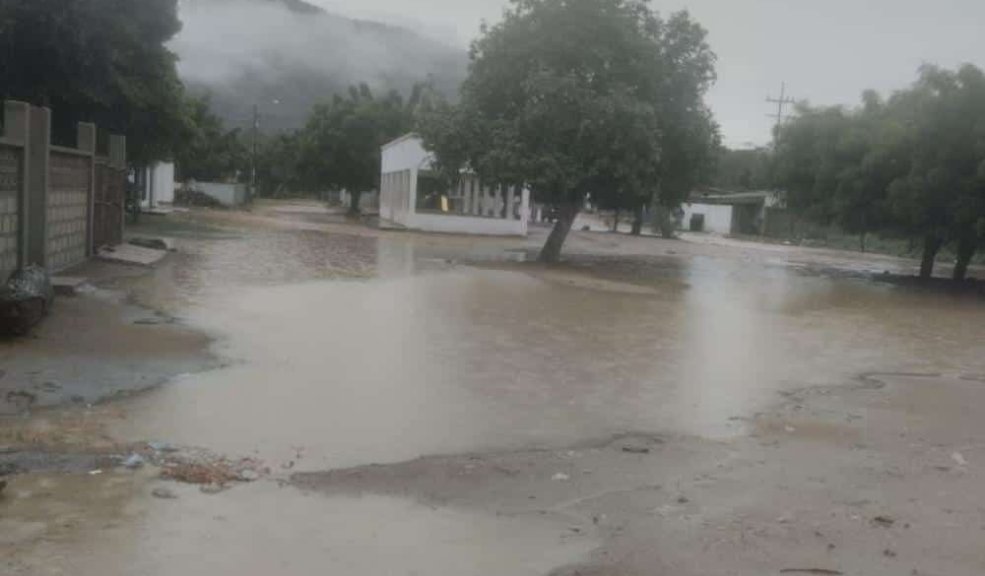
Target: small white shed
411,197
158,185
729,213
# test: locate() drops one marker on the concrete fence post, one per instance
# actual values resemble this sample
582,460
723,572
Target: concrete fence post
17,128
118,151
86,142
39,158
510,202
16,121
118,160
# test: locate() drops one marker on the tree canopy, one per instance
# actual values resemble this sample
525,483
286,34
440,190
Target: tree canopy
208,151
579,97
340,144
103,61
912,165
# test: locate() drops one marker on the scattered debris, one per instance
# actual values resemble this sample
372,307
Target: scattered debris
560,477
162,447
889,553
884,521
192,473
95,472
249,475
636,449
153,243
959,458
130,254
133,461
211,488
205,468
683,500
25,299
50,387
68,285
22,399
164,494
821,571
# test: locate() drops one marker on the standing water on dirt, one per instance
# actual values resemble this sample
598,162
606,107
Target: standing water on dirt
420,357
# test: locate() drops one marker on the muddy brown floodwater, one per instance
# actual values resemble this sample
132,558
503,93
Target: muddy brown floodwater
434,406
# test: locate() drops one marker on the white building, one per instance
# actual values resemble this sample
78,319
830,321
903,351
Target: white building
411,197
158,186
730,214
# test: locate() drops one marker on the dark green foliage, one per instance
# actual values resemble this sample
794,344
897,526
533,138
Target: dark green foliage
207,151
913,165
103,61
583,97
740,170
340,145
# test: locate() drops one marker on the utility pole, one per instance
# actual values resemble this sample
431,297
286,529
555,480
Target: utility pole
782,102
253,161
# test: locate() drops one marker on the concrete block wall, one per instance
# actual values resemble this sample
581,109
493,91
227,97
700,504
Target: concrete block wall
47,193
68,210
10,229
13,187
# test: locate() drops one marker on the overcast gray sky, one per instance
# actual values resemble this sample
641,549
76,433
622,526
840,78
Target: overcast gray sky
827,51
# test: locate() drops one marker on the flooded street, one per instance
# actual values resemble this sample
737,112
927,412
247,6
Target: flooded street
434,405
383,369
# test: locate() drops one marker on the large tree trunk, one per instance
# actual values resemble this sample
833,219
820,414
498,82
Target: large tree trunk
551,252
662,220
966,250
638,221
931,246
354,198
861,242
615,221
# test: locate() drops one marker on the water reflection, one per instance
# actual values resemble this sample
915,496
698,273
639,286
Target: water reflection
263,529
429,358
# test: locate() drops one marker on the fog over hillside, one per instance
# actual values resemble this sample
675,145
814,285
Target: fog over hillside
285,55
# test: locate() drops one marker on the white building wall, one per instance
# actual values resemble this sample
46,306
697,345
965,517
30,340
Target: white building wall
401,162
226,194
164,182
406,153
718,218
160,185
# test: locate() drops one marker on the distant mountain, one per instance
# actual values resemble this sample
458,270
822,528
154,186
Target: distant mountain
286,55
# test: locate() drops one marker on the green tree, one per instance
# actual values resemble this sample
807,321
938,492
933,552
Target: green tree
579,97
342,139
207,151
103,61
942,197
741,169
913,165
837,164
280,165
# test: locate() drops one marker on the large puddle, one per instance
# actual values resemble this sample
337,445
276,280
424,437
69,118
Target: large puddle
85,526
400,363
352,350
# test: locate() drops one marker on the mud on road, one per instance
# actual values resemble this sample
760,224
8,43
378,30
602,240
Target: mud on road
434,405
